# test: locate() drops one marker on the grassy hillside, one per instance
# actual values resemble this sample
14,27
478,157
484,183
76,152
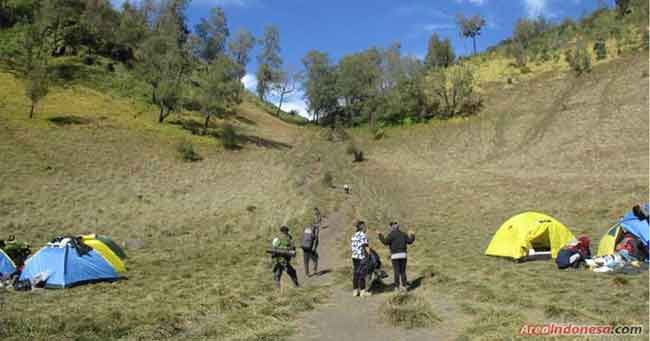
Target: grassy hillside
94,160
202,271
576,149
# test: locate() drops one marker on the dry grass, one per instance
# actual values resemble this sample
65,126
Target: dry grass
202,273
558,145
576,149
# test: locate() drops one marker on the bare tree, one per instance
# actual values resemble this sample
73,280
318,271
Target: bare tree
470,27
286,85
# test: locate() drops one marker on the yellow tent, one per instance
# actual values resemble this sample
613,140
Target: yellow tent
608,242
528,230
101,246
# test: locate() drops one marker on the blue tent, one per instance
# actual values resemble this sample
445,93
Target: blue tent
7,266
65,267
639,228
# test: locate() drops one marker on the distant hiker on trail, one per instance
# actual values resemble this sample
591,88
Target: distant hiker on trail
346,188
282,251
360,251
318,218
397,242
574,254
309,245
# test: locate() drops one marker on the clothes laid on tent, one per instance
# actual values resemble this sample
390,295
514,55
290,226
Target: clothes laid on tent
108,249
630,223
65,263
526,231
7,266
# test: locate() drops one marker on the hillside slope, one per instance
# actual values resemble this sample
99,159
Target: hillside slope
575,148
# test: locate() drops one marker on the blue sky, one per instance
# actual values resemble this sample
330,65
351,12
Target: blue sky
341,27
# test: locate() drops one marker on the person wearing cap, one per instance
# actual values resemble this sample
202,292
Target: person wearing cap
360,250
284,249
574,253
398,241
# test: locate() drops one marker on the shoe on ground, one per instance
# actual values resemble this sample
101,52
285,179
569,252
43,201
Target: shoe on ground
365,293
355,292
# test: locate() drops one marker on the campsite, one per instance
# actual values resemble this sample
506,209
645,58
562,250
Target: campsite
148,209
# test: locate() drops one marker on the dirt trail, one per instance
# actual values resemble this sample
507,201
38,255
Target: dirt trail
346,317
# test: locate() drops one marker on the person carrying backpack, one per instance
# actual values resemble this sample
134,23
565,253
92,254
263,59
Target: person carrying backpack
309,244
397,242
281,253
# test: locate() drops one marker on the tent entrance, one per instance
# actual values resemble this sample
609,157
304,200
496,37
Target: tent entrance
541,248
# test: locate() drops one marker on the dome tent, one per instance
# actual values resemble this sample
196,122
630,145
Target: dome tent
106,247
66,264
526,231
7,266
628,223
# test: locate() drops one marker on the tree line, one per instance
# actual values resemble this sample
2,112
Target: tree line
202,68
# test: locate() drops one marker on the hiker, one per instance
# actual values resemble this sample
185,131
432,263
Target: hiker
360,251
397,242
318,218
282,252
574,254
346,188
309,244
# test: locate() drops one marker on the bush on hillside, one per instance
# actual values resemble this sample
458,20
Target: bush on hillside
328,180
186,149
453,91
579,59
353,149
229,137
600,49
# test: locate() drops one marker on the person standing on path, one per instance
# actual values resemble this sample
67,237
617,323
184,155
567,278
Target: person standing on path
309,245
397,242
360,251
282,252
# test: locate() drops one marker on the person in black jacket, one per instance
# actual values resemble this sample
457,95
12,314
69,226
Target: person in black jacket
397,242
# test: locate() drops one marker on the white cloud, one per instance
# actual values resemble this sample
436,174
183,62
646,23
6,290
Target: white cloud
249,81
229,2
439,27
474,2
535,8
298,105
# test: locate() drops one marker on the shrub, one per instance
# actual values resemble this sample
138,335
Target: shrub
328,180
600,48
186,149
356,151
229,137
453,89
409,311
378,133
358,156
579,59
646,39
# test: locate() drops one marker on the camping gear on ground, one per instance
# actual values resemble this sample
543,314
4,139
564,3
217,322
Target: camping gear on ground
7,266
108,249
616,262
526,231
67,261
629,223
